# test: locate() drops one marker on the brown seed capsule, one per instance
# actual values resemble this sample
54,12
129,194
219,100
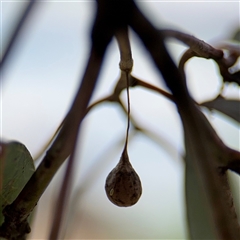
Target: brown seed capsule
123,186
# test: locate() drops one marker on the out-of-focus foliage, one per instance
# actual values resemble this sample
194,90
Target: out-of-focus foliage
229,107
16,168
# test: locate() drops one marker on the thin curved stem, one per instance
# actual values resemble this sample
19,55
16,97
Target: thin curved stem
126,64
151,87
105,99
128,112
45,147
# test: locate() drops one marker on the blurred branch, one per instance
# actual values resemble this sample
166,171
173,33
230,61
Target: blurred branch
47,144
16,33
229,107
126,61
62,147
201,48
198,48
146,85
230,46
224,64
114,97
63,197
197,130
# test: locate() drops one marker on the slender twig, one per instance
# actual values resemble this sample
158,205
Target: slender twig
16,33
163,142
126,64
46,145
200,47
102,100
114,97
128,113
63,197
188,54
141,83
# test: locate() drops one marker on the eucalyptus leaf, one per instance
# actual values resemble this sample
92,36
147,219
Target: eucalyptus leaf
16,168
199,219
210,210
236,35
229,107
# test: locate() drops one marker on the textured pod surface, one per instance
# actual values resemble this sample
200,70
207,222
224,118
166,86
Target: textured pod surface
123,186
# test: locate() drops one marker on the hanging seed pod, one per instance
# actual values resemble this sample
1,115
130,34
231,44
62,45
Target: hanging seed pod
123,186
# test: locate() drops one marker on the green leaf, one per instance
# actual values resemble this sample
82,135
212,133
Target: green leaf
198,213
229,107
209,205
236,35
16,168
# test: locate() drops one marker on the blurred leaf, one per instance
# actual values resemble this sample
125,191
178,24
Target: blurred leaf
16,168
199,215
236,35
210,211
234,181
229,107
198,212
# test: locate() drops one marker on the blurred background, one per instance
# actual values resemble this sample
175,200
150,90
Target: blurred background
39,84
